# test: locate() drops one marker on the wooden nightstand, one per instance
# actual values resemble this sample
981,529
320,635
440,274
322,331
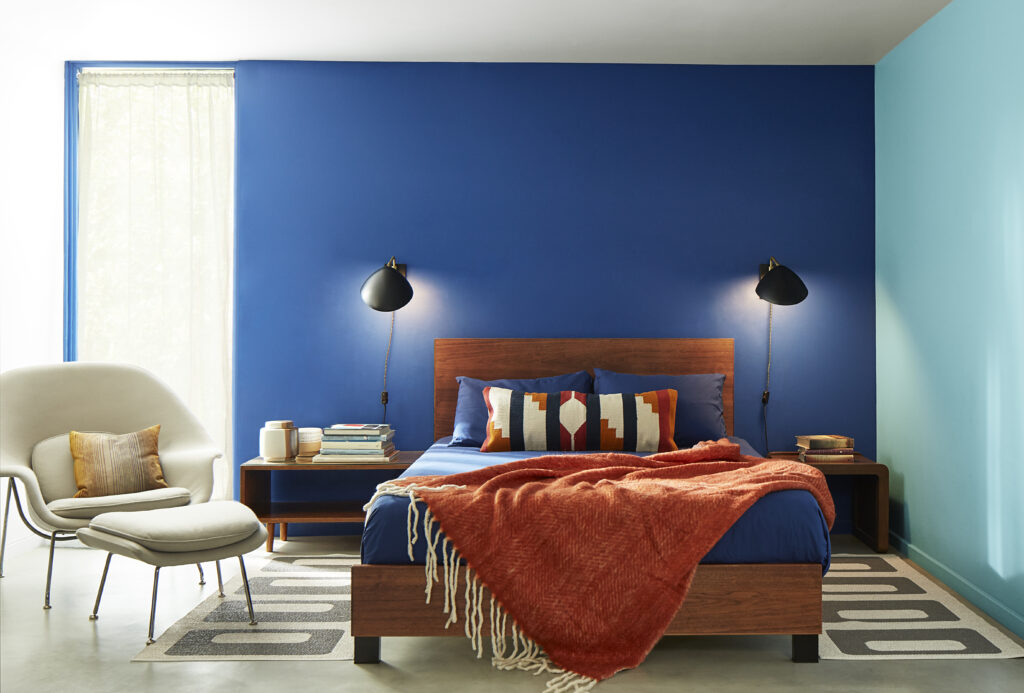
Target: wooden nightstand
255,492
870,495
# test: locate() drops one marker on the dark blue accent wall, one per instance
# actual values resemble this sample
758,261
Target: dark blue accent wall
550,200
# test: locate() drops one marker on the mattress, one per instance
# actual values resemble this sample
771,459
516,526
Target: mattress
781,527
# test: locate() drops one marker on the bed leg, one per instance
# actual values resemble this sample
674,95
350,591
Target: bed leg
805,648
367,650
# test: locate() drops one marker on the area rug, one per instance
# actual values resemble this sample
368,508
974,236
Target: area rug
302,606
875,607
880,607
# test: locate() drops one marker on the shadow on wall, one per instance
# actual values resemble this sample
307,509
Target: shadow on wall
898,524
1004,383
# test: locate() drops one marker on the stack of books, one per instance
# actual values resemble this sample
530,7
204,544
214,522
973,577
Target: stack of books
357,444
825,448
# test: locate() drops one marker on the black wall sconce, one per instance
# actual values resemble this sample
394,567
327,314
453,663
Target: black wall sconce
387,290
779,286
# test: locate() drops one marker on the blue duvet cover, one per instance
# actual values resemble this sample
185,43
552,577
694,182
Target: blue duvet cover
781,527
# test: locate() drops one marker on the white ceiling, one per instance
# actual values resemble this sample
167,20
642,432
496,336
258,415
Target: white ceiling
804,32
788,32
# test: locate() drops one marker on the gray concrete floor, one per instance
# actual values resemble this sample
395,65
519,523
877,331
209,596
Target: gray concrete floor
61,650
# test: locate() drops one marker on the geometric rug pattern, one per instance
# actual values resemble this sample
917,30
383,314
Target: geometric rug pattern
874,607
303,610
880,607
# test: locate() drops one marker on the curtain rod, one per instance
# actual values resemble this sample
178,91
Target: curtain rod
152,70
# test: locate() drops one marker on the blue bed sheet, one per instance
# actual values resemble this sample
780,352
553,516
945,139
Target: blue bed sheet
781,527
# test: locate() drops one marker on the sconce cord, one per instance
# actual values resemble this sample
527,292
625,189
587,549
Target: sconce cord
767,382
387,358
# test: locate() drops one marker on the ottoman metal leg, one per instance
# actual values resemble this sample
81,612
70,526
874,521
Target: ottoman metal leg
248,597
99,593
152,608
202,580
220,580
3,532
49,572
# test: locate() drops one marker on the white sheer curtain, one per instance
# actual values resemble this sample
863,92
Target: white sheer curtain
155,230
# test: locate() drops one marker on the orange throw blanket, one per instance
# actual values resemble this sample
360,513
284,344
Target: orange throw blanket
589,555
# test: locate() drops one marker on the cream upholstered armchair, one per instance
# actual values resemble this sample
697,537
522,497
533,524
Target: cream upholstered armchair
40,405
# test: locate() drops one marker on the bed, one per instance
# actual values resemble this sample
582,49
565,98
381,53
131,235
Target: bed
763,577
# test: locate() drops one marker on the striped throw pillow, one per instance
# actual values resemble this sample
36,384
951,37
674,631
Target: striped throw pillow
567,420
108,464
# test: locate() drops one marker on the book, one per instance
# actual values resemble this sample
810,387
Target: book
824,441
390,435
355,445
357,429
812,458
341,451
355,459
826,451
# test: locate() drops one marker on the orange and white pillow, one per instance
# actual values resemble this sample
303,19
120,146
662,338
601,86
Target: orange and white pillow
567,420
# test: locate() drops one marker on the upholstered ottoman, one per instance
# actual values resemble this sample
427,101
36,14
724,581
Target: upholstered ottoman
177,536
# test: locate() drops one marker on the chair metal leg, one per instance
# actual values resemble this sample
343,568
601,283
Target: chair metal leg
152,607
99,593
49,572
3,532
28,525
202,580
220,580
248,596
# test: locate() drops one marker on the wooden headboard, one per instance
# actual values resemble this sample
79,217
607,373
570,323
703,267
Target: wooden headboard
491,359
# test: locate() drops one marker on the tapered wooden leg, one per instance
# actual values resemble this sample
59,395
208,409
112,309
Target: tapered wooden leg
284,531
270,537
805,648
367,650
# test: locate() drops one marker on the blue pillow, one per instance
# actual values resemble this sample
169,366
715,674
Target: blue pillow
699,410
471,411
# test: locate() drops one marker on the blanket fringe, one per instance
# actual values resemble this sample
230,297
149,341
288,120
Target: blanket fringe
522,654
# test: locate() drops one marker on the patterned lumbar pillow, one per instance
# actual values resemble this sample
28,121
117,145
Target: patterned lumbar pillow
107,464
579,421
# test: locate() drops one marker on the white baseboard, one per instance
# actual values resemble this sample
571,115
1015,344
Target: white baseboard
962,586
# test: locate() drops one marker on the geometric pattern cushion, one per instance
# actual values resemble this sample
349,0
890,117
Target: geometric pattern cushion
642,422
699,408
107,464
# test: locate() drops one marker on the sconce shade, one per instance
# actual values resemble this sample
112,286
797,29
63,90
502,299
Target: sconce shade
781,286
386,289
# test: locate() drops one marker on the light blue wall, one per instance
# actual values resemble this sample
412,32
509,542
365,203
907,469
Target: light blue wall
949,119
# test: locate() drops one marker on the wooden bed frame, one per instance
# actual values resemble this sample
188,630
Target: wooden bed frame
728,599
